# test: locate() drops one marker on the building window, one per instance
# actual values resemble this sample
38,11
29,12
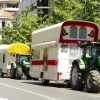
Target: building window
3,24
39,2
36,54
42,2
45,2
11,5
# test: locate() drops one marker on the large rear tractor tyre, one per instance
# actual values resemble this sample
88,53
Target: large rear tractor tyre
76,78
93,81
18,72
1,73
44,81
12,72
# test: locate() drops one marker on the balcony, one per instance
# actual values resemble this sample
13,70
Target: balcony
10,1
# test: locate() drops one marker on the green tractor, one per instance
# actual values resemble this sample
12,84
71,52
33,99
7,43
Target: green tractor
20,68
85,71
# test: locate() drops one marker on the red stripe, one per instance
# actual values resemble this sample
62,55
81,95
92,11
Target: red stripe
40,62
52,62
77,23
37,62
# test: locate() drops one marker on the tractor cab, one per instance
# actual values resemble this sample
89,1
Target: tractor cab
20,68
24,61
91,53
91,49
23,57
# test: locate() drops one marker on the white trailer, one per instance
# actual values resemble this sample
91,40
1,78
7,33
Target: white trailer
55,47
5,60
8,54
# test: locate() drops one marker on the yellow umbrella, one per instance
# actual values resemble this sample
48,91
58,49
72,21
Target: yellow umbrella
19,48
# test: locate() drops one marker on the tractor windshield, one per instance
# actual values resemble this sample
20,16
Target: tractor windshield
96,51
25,58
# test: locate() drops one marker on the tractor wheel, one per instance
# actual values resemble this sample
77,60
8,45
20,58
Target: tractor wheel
44,81
27,75
1,73
99,81
76,78
12,72
35,78
93,81
18,74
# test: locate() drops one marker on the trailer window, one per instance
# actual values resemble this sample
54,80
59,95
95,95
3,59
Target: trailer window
64,48
87,51
36,54
82,32
96,51
3,58
73,32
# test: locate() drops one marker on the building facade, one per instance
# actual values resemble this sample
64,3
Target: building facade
8,8
35,5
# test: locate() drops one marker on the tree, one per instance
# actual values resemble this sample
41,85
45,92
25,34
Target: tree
88,10
65,10
23,25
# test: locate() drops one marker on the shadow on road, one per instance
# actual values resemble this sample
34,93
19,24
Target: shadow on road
51,84
56,85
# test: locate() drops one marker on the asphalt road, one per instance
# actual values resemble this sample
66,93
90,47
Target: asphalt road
34,90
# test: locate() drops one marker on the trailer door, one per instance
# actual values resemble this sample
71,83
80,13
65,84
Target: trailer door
4,62
1,60
45,58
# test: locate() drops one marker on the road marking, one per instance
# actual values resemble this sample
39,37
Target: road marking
44,96
98,96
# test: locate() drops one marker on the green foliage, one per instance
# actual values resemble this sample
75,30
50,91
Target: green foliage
90,10
25,23
65,10
87,10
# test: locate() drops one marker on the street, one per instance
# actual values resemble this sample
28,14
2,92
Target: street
34,90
